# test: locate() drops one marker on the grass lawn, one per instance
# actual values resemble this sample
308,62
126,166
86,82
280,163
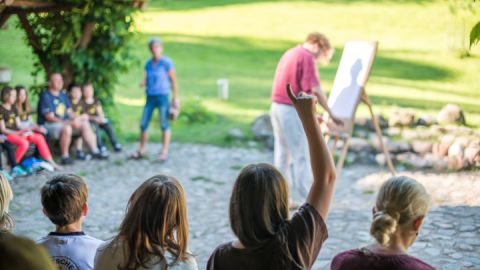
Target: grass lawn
243,40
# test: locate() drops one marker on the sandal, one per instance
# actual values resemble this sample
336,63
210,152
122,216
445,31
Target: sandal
136,155
163,157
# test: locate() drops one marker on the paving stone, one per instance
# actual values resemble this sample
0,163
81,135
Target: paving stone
444,225
433,251
456,256
464,247
450,266
473,260
467,228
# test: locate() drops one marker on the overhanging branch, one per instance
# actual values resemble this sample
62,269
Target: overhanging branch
33,41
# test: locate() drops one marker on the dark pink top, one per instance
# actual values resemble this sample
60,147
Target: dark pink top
298,68
360,259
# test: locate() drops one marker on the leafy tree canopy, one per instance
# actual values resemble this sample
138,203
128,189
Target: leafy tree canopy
87,42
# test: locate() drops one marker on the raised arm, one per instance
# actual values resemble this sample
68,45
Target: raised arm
321,161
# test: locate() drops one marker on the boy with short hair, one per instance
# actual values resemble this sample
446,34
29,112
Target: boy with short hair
64,201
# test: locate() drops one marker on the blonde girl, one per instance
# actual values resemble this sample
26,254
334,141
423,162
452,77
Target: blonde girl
402,204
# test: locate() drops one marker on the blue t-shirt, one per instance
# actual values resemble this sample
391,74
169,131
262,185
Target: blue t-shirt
50,103
158,81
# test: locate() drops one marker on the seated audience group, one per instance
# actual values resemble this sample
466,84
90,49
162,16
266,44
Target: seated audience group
59,119
154,231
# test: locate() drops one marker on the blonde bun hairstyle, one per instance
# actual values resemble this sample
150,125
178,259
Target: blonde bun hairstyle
400,200
6,195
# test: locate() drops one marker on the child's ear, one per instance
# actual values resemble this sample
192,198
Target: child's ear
417,223
85,209
45,212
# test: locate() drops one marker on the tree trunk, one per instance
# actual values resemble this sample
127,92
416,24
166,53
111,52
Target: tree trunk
34,43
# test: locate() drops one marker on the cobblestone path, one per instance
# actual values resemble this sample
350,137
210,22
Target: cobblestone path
450,238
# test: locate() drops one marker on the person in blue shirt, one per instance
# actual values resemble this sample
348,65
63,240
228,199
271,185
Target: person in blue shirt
159,81
56,115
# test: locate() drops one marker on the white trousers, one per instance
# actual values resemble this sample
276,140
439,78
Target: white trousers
291,154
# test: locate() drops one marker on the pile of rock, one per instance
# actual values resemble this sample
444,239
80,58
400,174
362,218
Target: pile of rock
423,142
427,142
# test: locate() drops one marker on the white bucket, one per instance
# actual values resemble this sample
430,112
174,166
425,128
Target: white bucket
5,75
222,88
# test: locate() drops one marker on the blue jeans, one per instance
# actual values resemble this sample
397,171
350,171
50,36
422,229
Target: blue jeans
162,104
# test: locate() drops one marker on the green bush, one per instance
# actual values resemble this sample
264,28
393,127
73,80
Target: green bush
193,112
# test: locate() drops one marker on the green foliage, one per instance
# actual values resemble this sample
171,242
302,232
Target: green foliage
193,112
475,35
89,43
462,13
461,6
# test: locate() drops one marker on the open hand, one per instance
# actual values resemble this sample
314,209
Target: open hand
304,104
40,130
336,120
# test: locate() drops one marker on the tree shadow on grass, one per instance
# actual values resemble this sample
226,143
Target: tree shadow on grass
249,64
257,57
196,4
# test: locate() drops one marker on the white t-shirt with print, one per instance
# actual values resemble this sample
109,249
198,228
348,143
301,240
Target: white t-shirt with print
72,251
110,254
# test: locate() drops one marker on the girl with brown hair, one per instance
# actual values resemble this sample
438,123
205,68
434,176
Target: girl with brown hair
24,110
154,232
402,203
267,238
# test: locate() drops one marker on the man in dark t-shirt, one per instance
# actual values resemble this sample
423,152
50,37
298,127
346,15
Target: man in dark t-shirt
56,115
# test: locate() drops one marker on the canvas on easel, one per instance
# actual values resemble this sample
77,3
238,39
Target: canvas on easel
347,91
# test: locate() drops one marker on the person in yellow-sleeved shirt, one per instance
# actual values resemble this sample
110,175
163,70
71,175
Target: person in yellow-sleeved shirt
78,109
93,108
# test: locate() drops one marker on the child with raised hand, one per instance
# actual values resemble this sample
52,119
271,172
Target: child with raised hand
64,201
21,138
259,217
93,107
154,232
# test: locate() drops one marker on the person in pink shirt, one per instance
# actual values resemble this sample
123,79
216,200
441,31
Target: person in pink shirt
297,67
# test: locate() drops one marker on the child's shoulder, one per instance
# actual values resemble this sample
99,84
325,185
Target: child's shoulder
43,239
93,239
